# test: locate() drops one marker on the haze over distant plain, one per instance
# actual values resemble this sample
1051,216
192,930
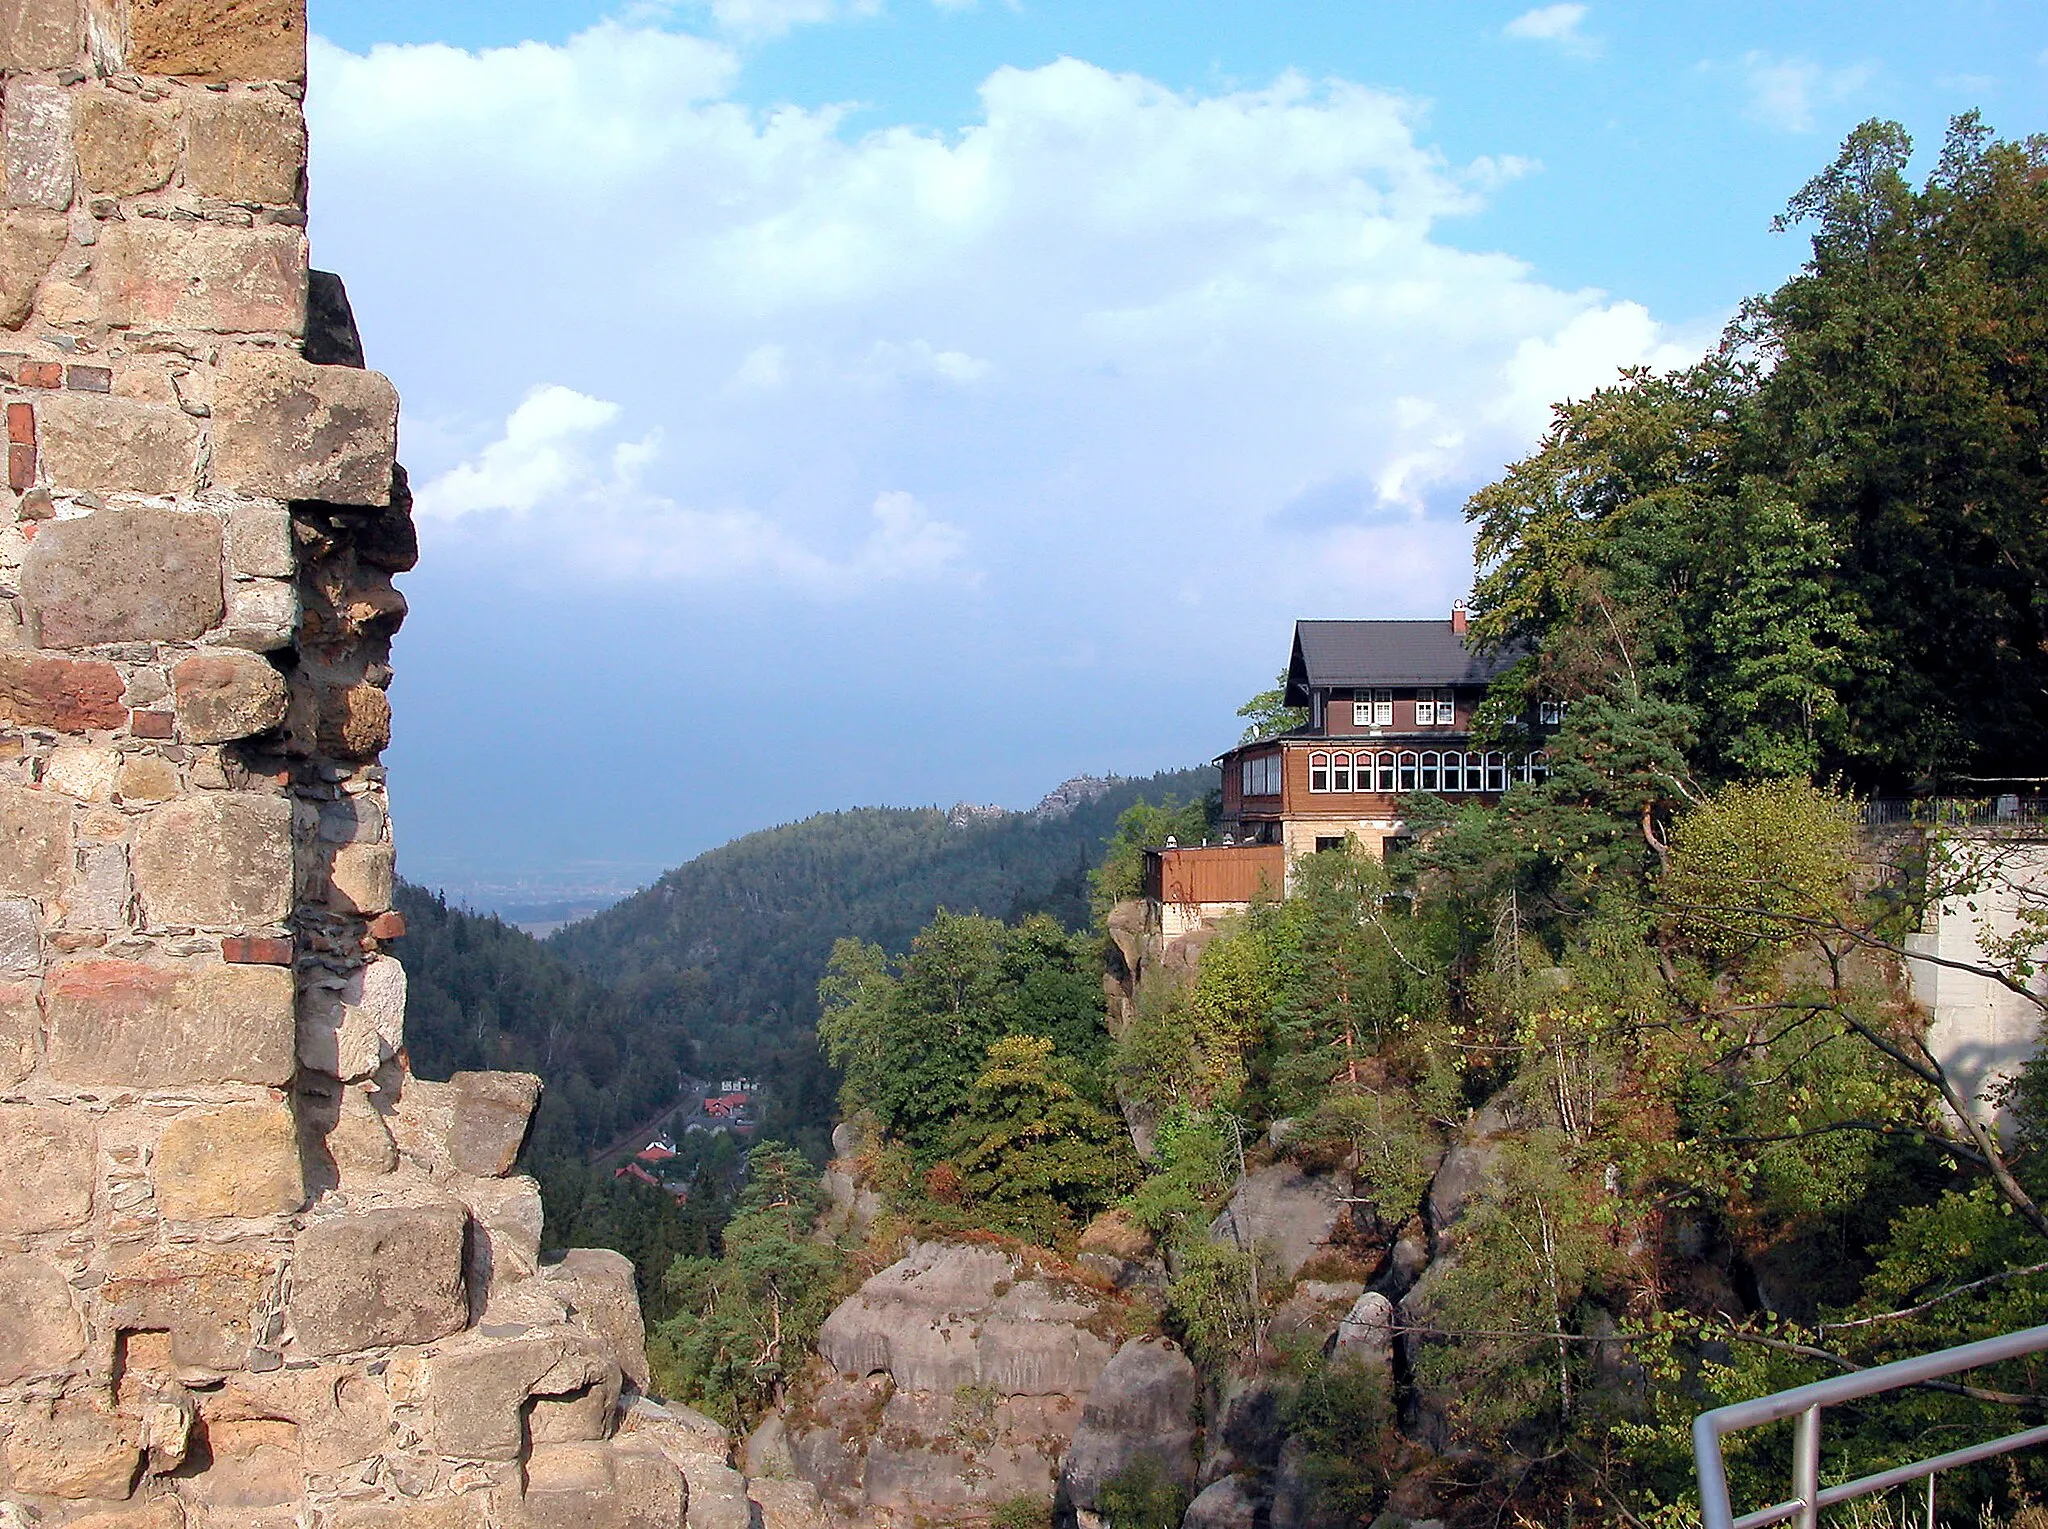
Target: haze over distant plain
815,403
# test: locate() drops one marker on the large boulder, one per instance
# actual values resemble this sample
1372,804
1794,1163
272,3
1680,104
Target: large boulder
953,1379
1144,1404
1285,1214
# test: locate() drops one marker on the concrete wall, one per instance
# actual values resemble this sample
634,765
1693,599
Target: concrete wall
251,1271
1982,1032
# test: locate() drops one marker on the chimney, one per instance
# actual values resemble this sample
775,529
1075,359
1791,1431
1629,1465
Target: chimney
1458,618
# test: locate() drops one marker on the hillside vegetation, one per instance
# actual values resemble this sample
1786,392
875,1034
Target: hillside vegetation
714,971
1618,1083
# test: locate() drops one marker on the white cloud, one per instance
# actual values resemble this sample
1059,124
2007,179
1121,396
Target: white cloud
541,457
1785,93
1109,329
1559,24
559,481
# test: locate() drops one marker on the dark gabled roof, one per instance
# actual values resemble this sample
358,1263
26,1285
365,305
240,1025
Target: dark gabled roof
1336,655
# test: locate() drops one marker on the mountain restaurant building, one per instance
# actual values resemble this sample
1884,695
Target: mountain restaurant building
1390,707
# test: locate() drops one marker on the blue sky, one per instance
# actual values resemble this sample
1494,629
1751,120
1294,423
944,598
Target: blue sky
825,402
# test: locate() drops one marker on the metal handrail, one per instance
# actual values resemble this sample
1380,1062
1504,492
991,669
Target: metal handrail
1805,1402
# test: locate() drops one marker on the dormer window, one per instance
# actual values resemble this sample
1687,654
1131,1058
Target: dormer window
1372,708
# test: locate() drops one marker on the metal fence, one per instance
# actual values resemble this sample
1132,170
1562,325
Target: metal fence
2010,811
1804,1403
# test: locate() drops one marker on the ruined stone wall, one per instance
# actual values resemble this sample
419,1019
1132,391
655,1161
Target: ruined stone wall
251,1271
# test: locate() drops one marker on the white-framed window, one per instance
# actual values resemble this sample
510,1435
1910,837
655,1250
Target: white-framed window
1435,708
1496,772
1262,775
1319,772
1539,766
1432,772
1340,773
1407,772
1372,708
1475,772
1383,764
1550,713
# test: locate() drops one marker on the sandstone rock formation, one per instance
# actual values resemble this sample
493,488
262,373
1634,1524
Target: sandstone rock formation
251,1271
955,1379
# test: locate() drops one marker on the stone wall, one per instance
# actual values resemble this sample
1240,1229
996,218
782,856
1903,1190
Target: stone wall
251,1271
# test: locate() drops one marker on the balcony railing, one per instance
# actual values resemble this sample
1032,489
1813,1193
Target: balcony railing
1804,1403
2010,811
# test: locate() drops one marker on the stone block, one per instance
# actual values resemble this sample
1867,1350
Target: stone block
83,772
220,860
40,1330
352,1031
508,1212
49,1159
64,694
29,243
151,274
38,34
360,877
239,1160
491,1114
597,1286
332,338
380,1277
260,542
218,39
257,949
21,939
225,696
344,1414
360,1142
245,148
72,1449
125,145
263,615
288,429
147,778
157,1513
206,1298
35,842
355,721
100,896
254,1463
37,129
123,575
622,1485
116,446
134,1024
21,1032
477,1394
353,820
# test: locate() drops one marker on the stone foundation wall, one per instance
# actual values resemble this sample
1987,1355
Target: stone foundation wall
251,1271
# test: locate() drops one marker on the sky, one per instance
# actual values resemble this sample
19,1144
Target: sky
823,403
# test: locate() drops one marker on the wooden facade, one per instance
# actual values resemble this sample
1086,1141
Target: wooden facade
1207,875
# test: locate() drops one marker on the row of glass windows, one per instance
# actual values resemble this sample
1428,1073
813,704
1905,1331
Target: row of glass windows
1433,708
1431,771
1375,708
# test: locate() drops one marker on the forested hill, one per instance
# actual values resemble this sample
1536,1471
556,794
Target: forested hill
714,969
731,945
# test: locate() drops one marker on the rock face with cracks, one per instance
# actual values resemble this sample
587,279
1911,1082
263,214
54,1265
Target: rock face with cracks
252,1272
952,1381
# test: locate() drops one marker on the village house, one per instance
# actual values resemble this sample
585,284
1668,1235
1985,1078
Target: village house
1390,712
